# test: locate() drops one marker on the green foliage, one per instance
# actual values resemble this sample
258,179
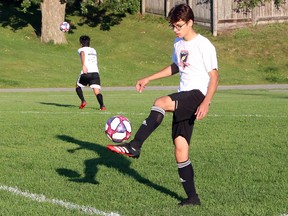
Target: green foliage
26,4
247,5
114,6
107,13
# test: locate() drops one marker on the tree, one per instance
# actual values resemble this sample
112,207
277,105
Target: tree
53,13
247,5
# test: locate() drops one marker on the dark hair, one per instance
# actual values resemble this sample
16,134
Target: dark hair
180,12
85,40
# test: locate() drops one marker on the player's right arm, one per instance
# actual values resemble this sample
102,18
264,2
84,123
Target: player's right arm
165,72
84,68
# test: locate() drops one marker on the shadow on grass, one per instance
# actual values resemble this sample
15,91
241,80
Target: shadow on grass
108,159
57,104
12,16
68,106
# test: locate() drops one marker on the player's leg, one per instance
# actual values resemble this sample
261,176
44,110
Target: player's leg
99,97
95,84
185,171
182,128
80,93
81,83
157,113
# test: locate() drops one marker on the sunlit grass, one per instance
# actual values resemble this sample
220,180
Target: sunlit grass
48,146
139,46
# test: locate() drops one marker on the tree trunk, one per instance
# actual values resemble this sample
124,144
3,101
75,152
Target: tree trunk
53,14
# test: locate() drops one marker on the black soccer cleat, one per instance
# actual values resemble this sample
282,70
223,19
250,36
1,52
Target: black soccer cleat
194,201
125,149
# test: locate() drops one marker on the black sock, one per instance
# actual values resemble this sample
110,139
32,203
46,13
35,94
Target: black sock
186,174
80,93
148,126
100,99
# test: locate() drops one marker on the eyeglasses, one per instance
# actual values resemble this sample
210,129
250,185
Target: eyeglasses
178,27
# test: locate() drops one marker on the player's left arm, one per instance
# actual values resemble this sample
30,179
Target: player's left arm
204,106
165,72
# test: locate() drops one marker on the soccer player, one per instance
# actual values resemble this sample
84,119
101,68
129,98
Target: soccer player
194,58
90,73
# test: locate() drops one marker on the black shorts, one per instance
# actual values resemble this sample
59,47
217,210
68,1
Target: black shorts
89,79
186,104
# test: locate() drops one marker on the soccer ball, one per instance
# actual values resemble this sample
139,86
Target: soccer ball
118,129
64,26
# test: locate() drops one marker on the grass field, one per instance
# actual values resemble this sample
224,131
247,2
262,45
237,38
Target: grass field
54,161
53,155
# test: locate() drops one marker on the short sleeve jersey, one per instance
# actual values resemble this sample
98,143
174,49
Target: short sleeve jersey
195,59
90,59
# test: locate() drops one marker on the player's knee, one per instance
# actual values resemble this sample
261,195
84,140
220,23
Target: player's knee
181,149
157,103
181,156
160,102
96,91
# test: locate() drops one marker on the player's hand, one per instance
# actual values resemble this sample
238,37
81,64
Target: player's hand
141,84
84,69
202,110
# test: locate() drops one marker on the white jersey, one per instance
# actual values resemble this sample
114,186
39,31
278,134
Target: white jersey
90,59
195,59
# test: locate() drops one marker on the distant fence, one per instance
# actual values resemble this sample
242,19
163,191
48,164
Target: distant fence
220,15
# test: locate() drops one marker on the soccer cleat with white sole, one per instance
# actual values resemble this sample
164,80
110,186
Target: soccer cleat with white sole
124,149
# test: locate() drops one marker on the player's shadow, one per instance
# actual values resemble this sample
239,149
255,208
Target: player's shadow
57,104
109,159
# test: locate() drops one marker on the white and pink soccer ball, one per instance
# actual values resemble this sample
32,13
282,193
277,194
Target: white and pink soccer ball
118,129
64,26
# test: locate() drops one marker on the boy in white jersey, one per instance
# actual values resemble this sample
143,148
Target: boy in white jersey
194,58
90,73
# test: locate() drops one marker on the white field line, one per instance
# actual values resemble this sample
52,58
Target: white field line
250,115
141,114
68,205
157,88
